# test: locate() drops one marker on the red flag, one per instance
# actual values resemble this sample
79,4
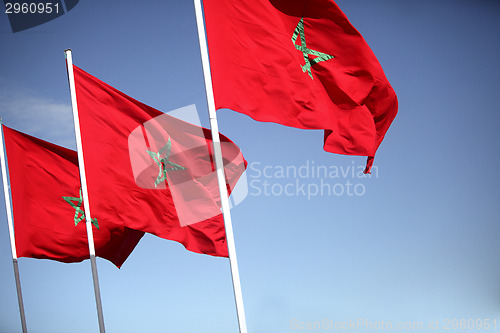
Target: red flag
49,221
300,63
152,171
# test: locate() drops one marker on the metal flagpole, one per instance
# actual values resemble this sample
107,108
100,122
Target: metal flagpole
8,208
85,195
214,127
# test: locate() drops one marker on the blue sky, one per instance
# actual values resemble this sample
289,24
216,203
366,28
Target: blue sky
417,243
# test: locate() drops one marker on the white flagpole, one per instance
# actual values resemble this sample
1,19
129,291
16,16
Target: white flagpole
8,208
214,127
85,195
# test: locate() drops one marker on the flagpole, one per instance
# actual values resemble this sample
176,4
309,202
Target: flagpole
10,223
85,195
214,127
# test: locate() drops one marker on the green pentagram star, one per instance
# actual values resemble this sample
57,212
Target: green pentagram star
164,163
76,203
320,56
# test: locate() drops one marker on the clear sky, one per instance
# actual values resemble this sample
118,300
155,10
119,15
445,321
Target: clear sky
415,244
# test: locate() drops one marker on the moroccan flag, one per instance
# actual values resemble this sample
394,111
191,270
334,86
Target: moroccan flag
299,63
151,171
49,221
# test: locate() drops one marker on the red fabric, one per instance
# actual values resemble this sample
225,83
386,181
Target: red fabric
117,131
41,174
256,70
